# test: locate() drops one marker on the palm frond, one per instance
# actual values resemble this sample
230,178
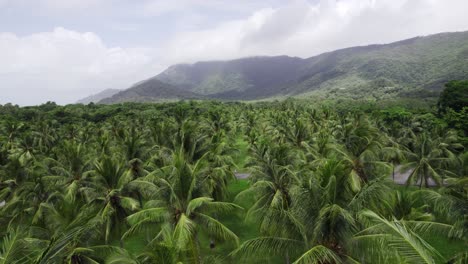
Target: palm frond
150,214
196,203
397,236
18,249
268,246
184,232
318,255
216,228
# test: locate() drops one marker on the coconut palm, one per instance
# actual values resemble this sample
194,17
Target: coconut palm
426,160
181,203
363,145
149,183
110,189
394,154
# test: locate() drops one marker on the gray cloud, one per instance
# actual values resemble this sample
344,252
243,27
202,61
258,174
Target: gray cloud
305,29
65,64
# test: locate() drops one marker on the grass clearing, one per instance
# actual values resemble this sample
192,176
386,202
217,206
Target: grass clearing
241,157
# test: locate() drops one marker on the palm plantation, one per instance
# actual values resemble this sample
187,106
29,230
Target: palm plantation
155,183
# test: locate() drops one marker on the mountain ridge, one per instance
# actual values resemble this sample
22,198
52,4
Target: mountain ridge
376,70
149,92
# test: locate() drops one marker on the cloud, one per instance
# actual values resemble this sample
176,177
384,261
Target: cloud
161,7
64,65
303,28
56,4
71,4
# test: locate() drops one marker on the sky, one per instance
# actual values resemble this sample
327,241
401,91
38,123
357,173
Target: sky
63,50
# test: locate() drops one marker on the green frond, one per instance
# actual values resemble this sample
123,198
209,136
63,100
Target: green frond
121,258
184,232
129,203
194,204
71,192
150,214
95,254
146,188
216,228
268,246
461,258
16,249
58,245
397,236
375,195
221,207
318,255
354,181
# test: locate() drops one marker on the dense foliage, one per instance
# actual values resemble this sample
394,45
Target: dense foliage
156,183
454,96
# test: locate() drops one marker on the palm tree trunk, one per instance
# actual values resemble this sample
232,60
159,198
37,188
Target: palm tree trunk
288,261
421,182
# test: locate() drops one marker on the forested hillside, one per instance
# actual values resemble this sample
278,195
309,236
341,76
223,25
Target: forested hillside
151,91
374,71
296,181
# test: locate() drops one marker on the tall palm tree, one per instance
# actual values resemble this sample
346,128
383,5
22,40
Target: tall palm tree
181,202
363,144
427,159
110,189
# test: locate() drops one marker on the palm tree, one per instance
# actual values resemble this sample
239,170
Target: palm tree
133,144
395,155
77,180
70,171
11,130
182,204
363,144
218,167
110,189
46,137
426,159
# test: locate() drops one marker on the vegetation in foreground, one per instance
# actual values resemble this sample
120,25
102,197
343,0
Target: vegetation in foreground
155,183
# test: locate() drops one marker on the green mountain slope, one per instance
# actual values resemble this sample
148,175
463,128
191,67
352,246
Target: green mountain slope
149,91
241,79
369,71
422,62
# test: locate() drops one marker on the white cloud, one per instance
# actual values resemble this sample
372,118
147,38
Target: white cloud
160,7
71,4
64,65
56,4
302,28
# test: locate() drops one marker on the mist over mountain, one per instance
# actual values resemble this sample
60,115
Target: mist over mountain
98,97
149,91
384,70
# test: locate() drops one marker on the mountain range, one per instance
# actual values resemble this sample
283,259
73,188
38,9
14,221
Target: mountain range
98,97
376,71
